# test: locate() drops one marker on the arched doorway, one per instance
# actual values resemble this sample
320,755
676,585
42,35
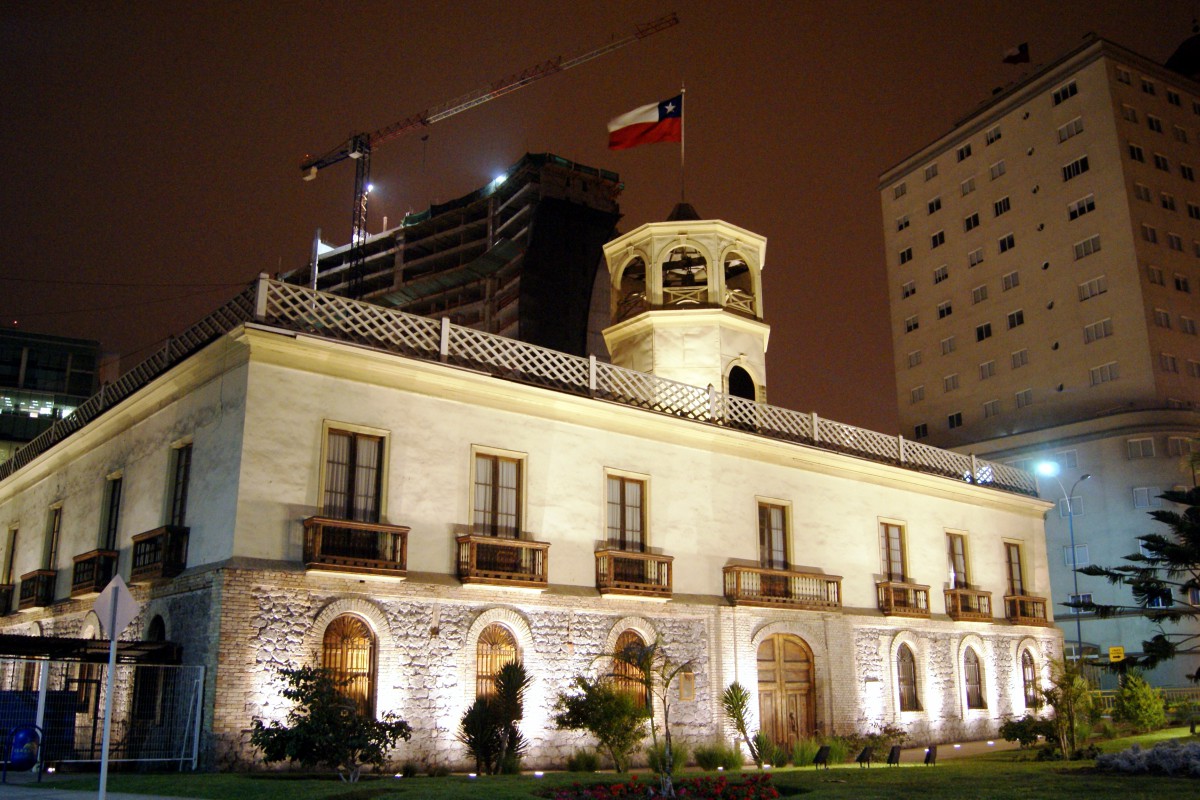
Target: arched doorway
741,384
786,698
348,653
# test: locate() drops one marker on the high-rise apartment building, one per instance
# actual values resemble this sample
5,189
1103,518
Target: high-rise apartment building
1044,267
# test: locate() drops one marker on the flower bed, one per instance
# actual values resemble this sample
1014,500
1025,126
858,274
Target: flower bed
750,787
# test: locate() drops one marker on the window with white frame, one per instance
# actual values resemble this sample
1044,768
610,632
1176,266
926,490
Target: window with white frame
940,274
986,370
992,135
971,221
937,240
916,394
1062,93
911,324
1123,76
954,420
1024,398
1155,276
1162,162
906,255
1129,113
1187,325
1168,201
964,152
899,191
1137,153
1083,205
1087,247
1082,559
1154,123
1103,373
1173,98
950,382
1075,168
908,289
1142,192
991,408
1139,448
1067,459
1020,358
914,358
1181,135
948,345
944,309
1148,86
1175,242
967,186
1076,511
1016,319
1179,446
902,222
975,257
1182,284
1097,330
1168,362
1072,128
983,331
1162,318
1149,233
1187,173
1006,243
997,169
1001,206
979,293
1145,497
1010,280
935,205
931,172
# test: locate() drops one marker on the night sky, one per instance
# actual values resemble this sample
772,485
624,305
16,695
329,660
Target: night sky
152,149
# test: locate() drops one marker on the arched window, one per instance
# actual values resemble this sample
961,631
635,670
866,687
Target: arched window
973,677
630,298
906,669
739,284
495,648
150,683
626,676
685,277
741,384
348,654
1029,680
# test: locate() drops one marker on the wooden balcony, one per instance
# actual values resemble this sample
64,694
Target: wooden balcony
37,589
1025,609
900,599
6,596
630,573
343,545
969,605
781,588
92,572
160,553
502,562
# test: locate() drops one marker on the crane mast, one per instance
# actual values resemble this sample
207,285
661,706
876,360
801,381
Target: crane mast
359,146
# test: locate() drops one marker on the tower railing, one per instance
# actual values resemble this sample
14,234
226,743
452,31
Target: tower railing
303,310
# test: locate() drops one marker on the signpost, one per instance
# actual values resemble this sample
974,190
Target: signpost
115,608
1116,654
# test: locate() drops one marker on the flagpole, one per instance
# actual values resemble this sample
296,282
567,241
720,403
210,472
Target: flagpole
682,145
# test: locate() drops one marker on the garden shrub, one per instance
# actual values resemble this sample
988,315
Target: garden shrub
1026,730
583,761
769,752
839,750
656,760
720,787
1139,703
1165,758
804,751
718,754
409,770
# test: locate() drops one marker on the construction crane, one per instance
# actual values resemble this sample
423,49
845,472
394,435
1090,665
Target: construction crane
360,145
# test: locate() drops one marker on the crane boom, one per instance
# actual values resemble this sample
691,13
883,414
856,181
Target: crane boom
359,146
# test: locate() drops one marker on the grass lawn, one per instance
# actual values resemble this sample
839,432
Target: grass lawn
1005,775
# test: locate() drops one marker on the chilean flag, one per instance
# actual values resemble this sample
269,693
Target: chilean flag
657,122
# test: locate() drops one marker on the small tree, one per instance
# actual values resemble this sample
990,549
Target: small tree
658,672
736,702
326,727
489,727
613,716
1139,703
1070,695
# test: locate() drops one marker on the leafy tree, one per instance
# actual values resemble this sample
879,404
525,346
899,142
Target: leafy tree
1168,570
736,702
1070,695
658,672
489,727
613,716
326,727
1139,703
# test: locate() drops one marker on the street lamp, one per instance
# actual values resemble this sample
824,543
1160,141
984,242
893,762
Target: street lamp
1050,469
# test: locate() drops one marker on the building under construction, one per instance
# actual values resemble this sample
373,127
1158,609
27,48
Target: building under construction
517,257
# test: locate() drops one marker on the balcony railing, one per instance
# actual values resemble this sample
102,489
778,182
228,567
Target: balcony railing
6,596
1025,609
781,588
624,572
160,553
360,547
92,572
900,599
37,589
965,605
503,562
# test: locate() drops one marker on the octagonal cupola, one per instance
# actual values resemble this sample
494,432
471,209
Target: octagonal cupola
687,303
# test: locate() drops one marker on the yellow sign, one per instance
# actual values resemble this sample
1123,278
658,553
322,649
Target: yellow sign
1116,654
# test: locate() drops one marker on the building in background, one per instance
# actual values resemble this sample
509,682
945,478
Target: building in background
519,257
1043,266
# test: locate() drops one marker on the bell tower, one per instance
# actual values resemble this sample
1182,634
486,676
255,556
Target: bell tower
687,303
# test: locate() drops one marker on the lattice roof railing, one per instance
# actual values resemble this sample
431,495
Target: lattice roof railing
300,309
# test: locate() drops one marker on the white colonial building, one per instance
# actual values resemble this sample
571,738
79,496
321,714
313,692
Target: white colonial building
308,479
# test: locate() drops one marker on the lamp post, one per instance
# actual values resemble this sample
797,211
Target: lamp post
1050,469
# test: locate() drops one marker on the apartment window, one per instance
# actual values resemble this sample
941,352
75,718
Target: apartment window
973,679
902,222
1006,243
916,394
353,480
1087,247
1145,497
1193,369
626,503
971,222
1187,325
1103,373
944,310
1016,575
1173,98
1072,128
954,420
906,255
908,289
1067,459
991,408
1196,248
997,169
950,383
906,673
1081,206
1148,86
940,274
1179,446
1182,284
1019,358
1154,123
921,431
935,205
181,470
891,548
937,240
772,536
1097,330
914,358
1075,509
1136,153
983,331
1162,162
967,186
112,513
1168,362
1063,92
964,152
1155,276
1123,76
899,191
1193,210
975,257
1075,168
911,324
1075,600
348,654
1149,233
1139,448
931,172
1029,681
1160,599
1016,318
1129,113
497,508
1024,398
986,370
992,136
1181,135
1175,242
947,345
1186,172
1001,206
1162,318
1142,192
979,293
1010,280
53,534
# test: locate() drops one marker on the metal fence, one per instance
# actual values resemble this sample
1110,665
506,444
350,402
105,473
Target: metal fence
155,717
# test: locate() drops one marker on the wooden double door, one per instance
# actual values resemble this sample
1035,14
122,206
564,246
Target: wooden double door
786,696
